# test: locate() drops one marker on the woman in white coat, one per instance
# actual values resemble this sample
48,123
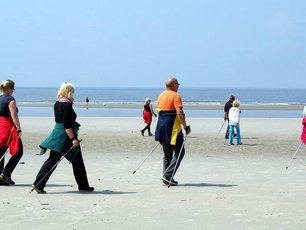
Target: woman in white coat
234,119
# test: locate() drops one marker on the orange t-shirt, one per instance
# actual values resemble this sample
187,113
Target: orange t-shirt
169,100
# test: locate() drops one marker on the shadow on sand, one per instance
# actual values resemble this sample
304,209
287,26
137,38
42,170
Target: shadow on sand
208,185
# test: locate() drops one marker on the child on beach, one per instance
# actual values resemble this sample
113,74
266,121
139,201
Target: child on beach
234,119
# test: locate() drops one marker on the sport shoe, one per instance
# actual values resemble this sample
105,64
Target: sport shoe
87,189
39,191
142,132
167,182
7,180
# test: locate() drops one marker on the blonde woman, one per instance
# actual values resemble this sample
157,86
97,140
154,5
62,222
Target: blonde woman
62,138
234,119
10,132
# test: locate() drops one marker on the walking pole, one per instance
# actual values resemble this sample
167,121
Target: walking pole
293,156
146,158
4,154
220,129
62,157
8,141
177,160
137,126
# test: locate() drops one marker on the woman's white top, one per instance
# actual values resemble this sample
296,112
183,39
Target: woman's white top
234,116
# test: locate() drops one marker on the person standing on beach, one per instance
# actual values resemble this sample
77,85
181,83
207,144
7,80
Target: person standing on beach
228,105
147,114
10,132
168,132
61,140
234,120
87,101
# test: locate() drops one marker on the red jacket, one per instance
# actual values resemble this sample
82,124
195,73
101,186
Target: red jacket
303,134
8,135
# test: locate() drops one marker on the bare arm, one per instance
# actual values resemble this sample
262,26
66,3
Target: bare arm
181,117
13,111
70,134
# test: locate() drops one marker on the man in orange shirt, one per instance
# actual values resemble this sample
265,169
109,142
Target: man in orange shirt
169,129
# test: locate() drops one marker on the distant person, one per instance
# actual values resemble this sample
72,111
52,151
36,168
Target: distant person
147,114
62,138
234,120
171,120
87,101
303,134
228,105
10,132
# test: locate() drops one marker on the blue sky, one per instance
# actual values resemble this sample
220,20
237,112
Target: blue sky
126,43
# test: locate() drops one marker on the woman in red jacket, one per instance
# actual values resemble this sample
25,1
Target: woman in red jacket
10,132
147,116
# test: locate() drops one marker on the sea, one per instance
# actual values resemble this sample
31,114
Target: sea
32,96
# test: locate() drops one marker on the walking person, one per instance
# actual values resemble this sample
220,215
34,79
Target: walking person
87,101
62,138
228,105
147,114
234,120
168,132
10,132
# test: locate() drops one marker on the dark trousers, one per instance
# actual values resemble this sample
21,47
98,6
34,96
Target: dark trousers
13,161
171,158
148,127
78,166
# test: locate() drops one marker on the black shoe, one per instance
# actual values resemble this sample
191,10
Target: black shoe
7,180
86,189
150,134
167,182
38,190
142,132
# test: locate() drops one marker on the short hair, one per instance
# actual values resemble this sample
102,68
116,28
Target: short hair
7,84
66,90
232,97
236,103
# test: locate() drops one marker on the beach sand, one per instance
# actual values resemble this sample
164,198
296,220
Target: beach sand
220,186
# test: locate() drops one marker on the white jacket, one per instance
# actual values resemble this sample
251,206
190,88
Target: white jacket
234,116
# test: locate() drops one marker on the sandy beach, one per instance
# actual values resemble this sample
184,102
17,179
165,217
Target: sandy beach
220,186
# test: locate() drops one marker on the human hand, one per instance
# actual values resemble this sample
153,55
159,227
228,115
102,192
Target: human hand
187,129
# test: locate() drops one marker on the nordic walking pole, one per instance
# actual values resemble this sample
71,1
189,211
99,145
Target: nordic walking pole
177,160
293,156
4,154
137,126
62,157
8,141
146,158
220,128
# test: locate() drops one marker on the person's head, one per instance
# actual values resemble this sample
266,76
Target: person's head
147,100
236,103
232,97
172,84
66,90
7,87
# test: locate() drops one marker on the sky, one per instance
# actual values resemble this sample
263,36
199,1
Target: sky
140,43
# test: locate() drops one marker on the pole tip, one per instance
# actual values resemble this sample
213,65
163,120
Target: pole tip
134,172
287,167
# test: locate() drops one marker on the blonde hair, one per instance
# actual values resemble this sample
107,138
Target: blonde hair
66,90
7,84
236,103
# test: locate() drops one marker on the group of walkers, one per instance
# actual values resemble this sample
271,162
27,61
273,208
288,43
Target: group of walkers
63,141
